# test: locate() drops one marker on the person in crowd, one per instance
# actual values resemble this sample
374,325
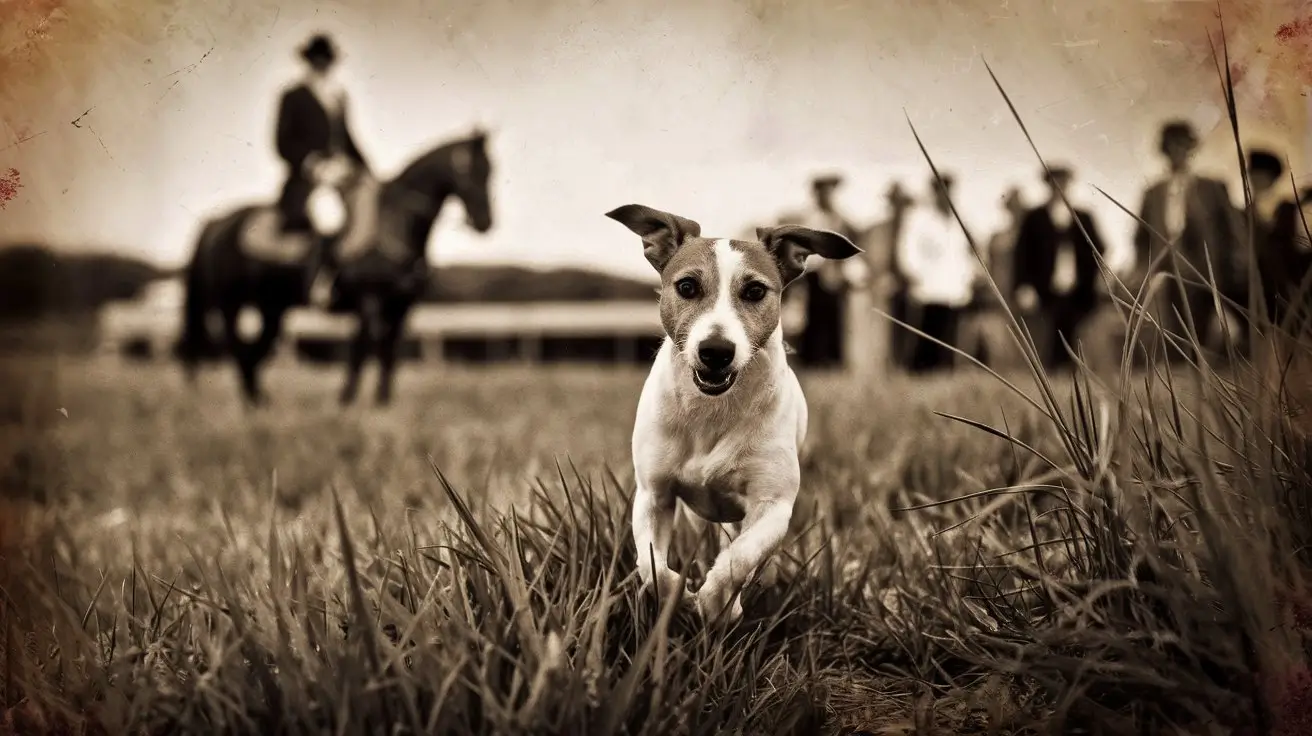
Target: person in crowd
1273,243
825,283
1195,215
985,332
1055,269
1293,225
1284,249
901,341
1003,242
940,268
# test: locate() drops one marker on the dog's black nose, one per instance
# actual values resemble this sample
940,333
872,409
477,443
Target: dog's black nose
716,353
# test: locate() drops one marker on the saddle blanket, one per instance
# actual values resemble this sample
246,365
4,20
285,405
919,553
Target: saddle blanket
261,240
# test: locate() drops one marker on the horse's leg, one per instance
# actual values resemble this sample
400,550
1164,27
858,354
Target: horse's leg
355,360
202,275
190,366
271,317
393,327
242,355
366,340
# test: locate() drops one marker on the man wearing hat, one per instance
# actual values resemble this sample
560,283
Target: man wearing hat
1293,227
940,267
1055,270
901,342
880,341
1189,210
824,282
986,334
313,138
1264,170
1279,234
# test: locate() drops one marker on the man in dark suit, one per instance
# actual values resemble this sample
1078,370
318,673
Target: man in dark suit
988,337
1269,204
1285,255
824,282
313,135
1293,225
1188,210
901,342
1054,269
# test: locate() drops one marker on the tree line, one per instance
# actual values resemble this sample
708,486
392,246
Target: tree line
37,281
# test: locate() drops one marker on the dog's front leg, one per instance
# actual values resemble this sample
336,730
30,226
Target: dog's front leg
653,526
767,574
764,529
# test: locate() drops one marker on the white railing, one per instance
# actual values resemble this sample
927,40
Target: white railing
430,324
437,321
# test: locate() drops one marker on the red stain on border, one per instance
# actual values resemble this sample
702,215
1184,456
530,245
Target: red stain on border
1294,29
1296,35
10,183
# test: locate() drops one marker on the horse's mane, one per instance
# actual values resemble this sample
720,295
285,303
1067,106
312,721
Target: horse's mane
409,201
425,164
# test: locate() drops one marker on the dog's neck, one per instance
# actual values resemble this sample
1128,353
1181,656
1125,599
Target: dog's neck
754,389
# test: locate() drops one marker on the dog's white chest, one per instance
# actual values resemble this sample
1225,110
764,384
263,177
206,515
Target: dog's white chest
717,456
708,477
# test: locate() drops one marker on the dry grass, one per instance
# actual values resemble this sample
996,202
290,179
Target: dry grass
184,548
304,570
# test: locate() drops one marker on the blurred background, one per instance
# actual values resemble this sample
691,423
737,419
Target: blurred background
124,125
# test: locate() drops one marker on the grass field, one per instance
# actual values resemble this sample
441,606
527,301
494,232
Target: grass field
185,563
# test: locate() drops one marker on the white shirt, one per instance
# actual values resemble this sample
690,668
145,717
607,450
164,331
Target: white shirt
1060,214
936,258
1177,190
328,91
1265,204
1063,271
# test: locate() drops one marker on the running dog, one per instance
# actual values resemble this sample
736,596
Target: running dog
721,416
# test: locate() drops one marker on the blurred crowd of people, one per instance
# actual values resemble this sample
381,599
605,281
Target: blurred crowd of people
1046,262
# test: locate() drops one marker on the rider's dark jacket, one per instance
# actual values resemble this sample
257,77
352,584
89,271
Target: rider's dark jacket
305,126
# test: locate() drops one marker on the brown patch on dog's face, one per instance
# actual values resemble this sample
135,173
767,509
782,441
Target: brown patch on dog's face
721,290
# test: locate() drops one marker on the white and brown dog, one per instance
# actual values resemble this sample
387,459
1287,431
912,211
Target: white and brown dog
722,416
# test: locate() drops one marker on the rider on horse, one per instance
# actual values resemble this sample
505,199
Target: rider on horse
313,138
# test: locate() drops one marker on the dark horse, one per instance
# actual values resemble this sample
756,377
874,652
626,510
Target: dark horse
382,266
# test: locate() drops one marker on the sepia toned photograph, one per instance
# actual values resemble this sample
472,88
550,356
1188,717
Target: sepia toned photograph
624,367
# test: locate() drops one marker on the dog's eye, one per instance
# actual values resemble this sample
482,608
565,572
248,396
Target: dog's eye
688,288
753,292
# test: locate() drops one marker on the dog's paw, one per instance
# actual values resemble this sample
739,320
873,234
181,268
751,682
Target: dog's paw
665,585
716,601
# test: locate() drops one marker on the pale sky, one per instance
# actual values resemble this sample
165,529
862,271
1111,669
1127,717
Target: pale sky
719,111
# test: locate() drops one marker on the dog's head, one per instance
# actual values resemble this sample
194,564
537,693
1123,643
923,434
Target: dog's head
719,298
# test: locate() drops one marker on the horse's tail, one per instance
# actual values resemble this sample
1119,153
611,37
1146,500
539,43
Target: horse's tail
196,342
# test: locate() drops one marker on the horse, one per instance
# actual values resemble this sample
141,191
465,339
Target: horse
382,266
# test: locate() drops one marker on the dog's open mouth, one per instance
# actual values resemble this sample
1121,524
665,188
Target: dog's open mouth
713,383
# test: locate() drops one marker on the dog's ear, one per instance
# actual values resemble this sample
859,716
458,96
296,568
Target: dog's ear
662,233
791,244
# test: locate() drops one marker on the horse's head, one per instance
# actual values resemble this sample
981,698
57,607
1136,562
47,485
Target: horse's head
471,169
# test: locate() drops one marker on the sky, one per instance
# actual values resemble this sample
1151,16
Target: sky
124,124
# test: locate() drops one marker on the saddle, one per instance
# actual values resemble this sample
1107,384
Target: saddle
343,206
